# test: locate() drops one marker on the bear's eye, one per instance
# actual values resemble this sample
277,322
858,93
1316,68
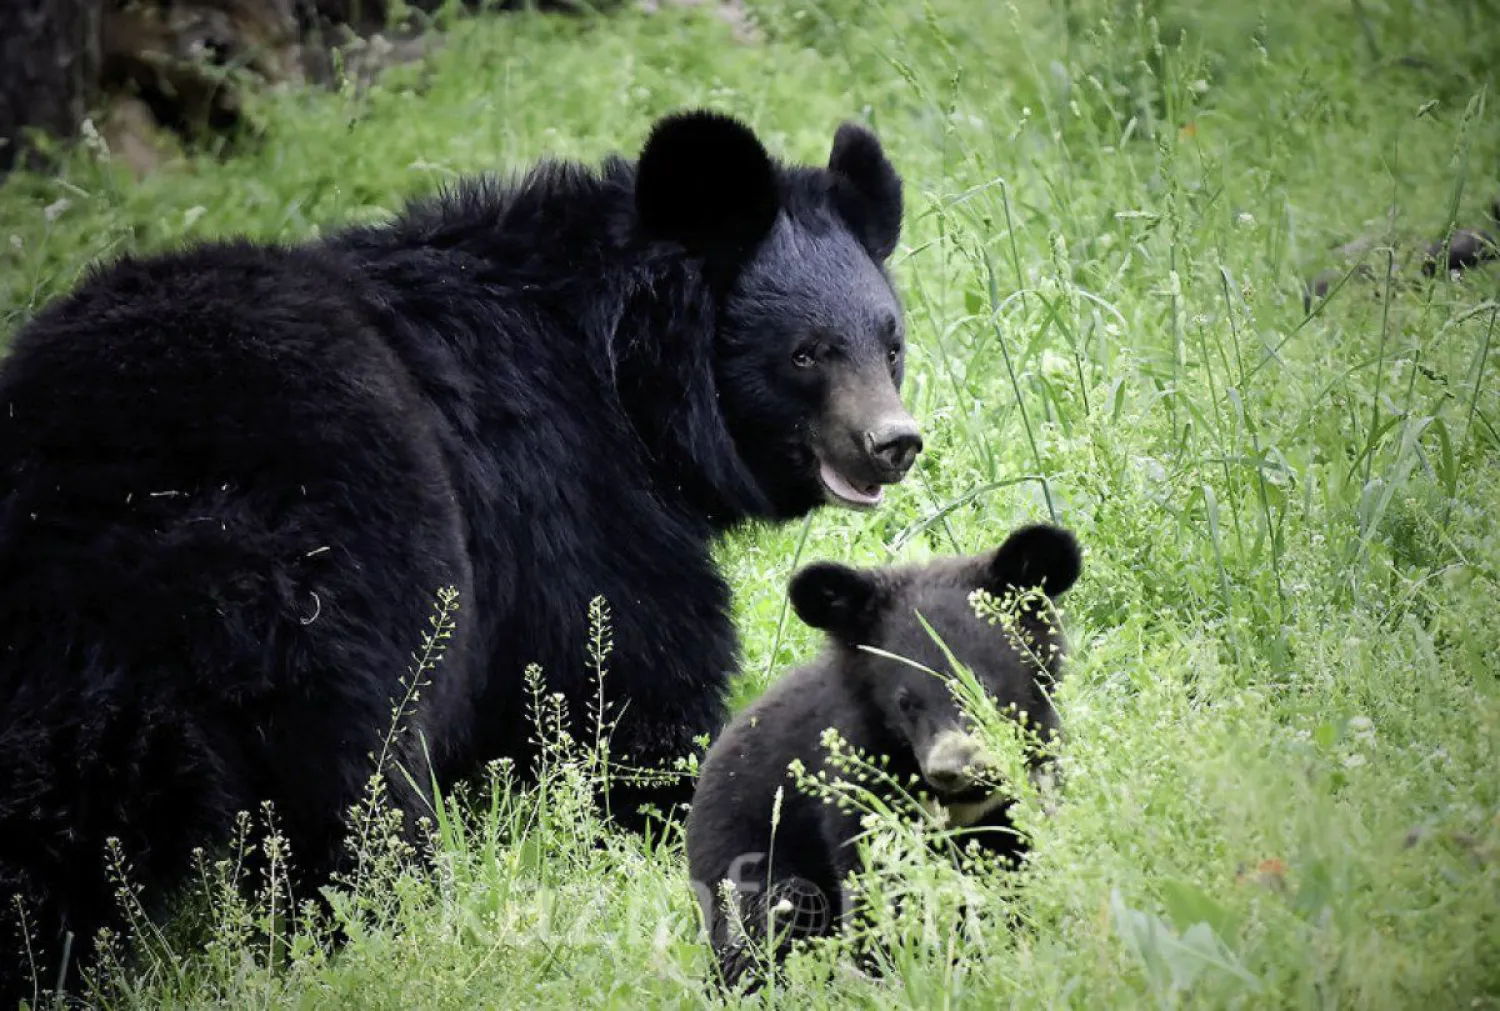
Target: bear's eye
803,358
904,701
893,355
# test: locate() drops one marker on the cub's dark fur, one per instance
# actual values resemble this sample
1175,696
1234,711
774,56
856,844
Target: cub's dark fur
882,707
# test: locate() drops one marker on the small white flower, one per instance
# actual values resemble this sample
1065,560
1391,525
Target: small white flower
1199,86
93,140
17,243
1246,218
1354,761
1358,724
783,907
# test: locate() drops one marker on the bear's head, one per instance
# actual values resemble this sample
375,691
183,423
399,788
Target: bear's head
904,677
810,339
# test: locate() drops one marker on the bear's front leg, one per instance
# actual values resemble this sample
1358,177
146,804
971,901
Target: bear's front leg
774,904
650,781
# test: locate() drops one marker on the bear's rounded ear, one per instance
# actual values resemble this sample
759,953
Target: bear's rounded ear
835,598
1039,556
866,189
704,180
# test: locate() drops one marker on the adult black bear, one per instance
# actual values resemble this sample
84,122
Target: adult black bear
882,706
233,477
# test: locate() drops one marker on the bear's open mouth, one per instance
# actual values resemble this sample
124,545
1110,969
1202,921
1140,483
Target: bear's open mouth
846,492
963,813
977,792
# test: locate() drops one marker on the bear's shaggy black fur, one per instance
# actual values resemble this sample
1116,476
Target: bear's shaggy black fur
233,477
883,707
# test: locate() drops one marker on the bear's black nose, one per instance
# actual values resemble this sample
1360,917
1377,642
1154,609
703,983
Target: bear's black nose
894,446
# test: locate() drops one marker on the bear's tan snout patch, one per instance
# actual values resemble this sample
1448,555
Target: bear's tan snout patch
956,762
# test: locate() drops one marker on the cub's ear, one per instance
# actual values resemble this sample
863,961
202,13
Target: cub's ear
1039,556
835,598
704,180
866,189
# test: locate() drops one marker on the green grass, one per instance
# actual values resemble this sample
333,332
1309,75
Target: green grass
1283,757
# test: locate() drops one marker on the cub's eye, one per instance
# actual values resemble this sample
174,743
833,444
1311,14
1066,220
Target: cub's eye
904,701
893,355
803,358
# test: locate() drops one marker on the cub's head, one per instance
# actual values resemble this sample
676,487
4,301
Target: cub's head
878,608
811,341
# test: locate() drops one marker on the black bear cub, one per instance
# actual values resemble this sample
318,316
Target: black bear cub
882,705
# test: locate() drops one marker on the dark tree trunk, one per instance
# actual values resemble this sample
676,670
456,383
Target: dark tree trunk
49,68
